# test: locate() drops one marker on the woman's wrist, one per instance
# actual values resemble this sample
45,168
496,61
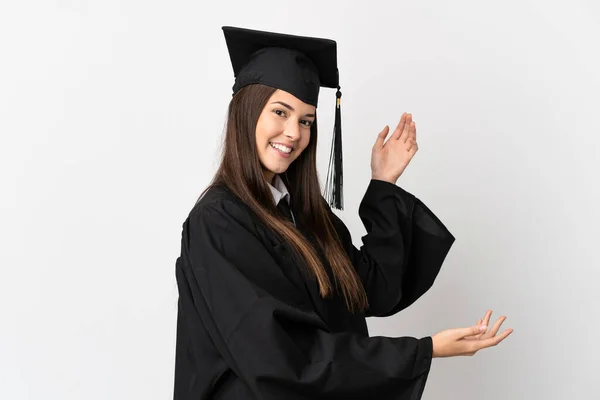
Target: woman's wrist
384,178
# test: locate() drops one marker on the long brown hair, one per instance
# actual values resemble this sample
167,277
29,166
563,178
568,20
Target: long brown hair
241,172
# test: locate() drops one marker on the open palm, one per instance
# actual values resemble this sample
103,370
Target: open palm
390,158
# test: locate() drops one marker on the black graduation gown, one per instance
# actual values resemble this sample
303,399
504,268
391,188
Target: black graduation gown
251,326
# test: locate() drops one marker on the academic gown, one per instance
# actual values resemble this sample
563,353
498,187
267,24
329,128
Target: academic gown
251,325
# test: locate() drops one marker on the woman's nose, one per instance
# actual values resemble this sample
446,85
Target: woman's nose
293,131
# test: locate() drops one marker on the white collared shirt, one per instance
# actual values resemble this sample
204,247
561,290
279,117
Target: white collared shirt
280,192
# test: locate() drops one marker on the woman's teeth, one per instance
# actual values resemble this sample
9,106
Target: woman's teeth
281,147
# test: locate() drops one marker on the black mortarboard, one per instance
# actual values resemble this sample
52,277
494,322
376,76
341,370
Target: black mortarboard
299,65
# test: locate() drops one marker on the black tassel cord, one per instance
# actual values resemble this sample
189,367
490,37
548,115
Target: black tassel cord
334,183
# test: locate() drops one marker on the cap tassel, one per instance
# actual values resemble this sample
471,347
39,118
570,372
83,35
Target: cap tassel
334,183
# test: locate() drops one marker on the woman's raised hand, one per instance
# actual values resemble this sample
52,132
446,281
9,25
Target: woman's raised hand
468,341
389,159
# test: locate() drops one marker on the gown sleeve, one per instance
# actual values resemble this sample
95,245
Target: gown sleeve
282,351
403,250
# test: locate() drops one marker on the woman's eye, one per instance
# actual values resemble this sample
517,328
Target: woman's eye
281,113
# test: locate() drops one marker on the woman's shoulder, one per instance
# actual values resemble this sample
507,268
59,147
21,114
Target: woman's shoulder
214,195
218,204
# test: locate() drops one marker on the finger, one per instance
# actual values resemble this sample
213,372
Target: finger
462,333
486,318
413,146
400,127
406,137
496,327
406,129
493,341
413,133
381,137
472,337
411,136
484,321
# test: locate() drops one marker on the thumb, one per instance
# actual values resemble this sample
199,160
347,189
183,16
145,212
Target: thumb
472,330
381,137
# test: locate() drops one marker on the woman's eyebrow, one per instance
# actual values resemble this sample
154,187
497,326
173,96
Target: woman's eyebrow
290,108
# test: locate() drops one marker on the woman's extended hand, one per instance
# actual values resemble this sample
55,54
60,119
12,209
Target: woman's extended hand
468,341
389,159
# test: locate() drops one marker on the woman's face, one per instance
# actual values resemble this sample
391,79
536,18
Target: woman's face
282,132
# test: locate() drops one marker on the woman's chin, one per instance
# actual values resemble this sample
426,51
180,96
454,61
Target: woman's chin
278,170
274,170
278,167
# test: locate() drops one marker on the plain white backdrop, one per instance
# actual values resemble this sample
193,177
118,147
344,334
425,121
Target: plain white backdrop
111,116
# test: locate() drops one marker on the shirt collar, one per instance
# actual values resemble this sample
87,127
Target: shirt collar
279,191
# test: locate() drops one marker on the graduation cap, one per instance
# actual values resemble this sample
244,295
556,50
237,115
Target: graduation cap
299,65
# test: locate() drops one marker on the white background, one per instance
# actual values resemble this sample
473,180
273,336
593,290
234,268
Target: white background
111,114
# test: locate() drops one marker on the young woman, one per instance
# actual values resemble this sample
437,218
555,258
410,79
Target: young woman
273,294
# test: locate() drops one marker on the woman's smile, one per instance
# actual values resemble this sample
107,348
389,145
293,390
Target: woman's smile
282,150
